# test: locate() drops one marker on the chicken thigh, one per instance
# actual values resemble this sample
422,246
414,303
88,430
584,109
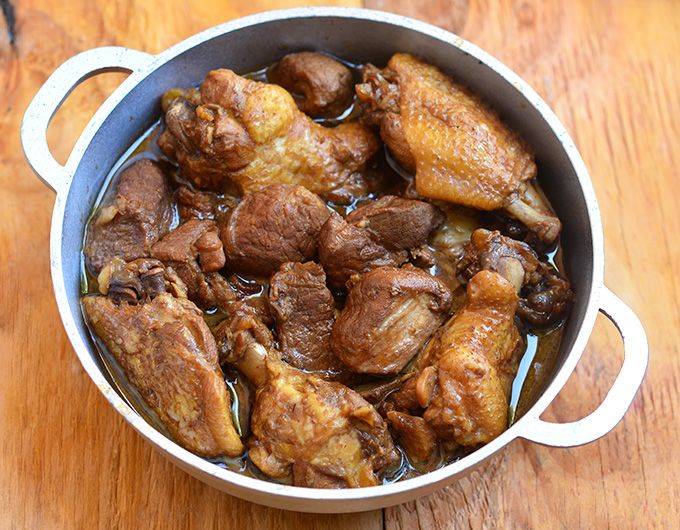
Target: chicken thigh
167,352
252,134
457,147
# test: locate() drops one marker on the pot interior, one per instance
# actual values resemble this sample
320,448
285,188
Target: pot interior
358,41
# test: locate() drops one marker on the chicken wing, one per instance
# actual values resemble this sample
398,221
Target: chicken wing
457,147
466,371
252,134
545,297
167,352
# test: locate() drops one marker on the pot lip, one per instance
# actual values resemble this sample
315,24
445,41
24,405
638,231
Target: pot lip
248,484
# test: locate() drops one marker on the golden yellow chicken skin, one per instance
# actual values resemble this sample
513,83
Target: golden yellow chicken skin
168,353
466,371
252,134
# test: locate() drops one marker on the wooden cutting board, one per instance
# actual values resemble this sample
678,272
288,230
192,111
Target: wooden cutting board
610,71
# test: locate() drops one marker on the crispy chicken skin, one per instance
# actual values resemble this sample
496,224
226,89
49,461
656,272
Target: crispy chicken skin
167,351
135,218
388,317
252,134
321,86
466,371
457,147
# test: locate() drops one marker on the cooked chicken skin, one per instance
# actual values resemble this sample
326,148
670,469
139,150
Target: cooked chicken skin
312,432
252,134
168,353
457,147
466,372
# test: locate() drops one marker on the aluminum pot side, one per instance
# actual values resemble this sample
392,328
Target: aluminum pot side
358,35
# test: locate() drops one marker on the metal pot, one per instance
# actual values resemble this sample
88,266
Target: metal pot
359,35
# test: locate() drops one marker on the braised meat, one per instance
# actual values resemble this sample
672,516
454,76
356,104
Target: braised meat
195,204
313,432
270,227
388,317
458,148
320,85
304,311
466,371
416,437
545,297
167,351
133,220
194,251
396,223
345,250
252,134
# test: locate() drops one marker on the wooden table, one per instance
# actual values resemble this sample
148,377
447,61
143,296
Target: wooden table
609,70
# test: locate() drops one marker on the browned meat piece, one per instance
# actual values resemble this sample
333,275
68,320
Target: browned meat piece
195,204
167,352
314,432
345,250
270,227
194,251
415,436
545,297
388,317
458,148
251,135
466,371
240,329
396,223
136,217
304,311
321,86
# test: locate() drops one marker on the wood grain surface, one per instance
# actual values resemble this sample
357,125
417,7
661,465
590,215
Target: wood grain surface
610,71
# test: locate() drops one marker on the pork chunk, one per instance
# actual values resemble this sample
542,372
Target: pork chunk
396,223
270,227
138,215
321,86
304,311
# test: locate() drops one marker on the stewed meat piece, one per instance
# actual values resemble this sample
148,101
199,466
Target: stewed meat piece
135,218
345,250
252,135
466,371
193,204
167,352
545,297
320,85
270,227
304,312
194,251
458,148
417,438
396,223
313,432
388,317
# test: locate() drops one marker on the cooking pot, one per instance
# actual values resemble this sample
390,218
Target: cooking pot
360,36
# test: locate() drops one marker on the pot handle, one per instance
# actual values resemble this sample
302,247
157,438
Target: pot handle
54,92
620,396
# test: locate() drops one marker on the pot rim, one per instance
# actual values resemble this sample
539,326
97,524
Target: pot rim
243,482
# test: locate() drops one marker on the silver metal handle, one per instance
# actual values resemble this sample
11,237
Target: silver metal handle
52,94
620,396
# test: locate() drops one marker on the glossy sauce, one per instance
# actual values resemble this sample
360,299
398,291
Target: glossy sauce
542,346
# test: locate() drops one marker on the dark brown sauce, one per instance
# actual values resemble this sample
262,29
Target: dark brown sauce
542,346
